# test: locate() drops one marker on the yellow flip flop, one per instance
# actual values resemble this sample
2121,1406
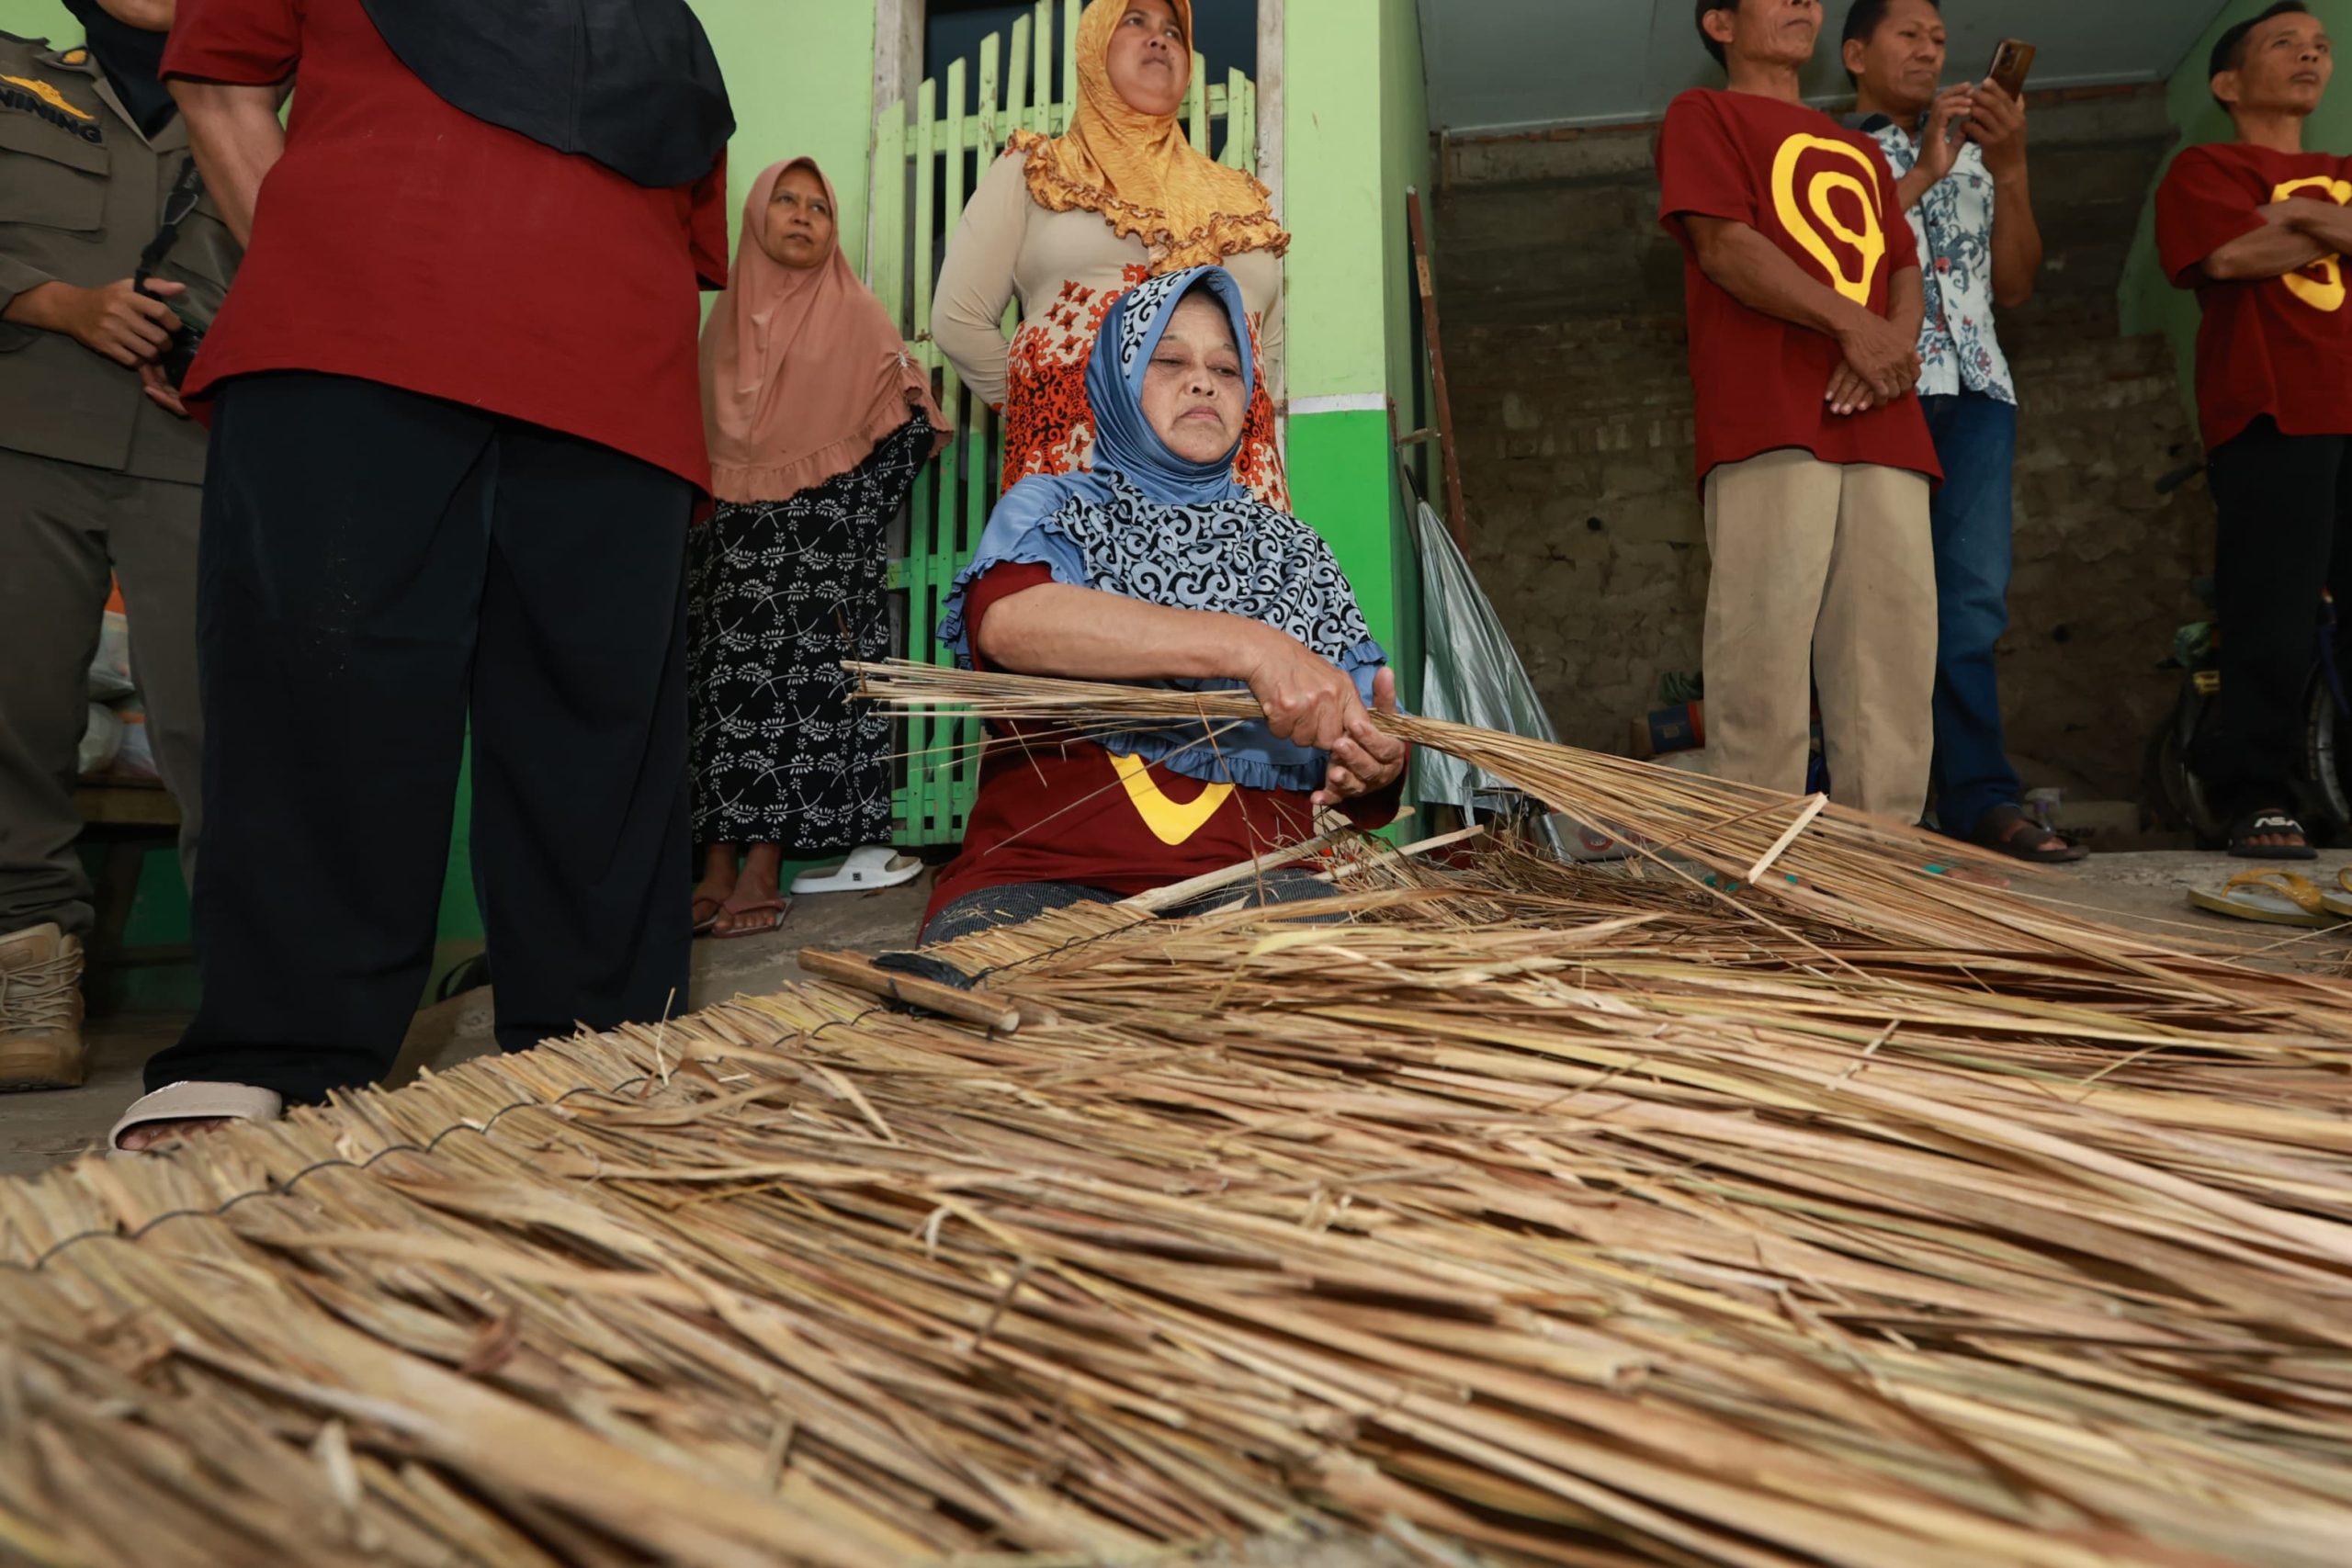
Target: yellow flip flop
2339,904
2278,898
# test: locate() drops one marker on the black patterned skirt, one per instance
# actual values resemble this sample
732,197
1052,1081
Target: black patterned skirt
780,592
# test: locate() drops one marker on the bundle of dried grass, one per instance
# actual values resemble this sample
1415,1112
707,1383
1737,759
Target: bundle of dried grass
1810,862
1535,1215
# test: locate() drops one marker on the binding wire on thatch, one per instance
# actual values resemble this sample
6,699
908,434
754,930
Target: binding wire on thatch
1531,1213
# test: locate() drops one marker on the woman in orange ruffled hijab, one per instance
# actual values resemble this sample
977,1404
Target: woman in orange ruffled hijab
1071,222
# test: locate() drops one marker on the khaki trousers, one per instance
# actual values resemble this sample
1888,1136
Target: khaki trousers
65,528
1823,575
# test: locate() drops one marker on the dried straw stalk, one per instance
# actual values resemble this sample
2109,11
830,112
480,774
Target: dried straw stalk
1532,1214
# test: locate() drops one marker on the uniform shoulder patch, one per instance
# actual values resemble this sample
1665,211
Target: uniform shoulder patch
75,57
46,94
30,94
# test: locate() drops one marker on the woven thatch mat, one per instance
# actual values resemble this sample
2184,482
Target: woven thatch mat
1550,1216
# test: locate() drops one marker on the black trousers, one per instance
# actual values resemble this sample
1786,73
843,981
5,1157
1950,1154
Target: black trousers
2285,532
374,565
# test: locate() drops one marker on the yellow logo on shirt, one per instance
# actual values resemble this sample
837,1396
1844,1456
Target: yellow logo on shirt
2321,285
1867,243
1171,822
48,95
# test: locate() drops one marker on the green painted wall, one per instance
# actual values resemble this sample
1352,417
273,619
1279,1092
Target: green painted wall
38,18
2150,303
800,73
1355,132
1332,174
1405,162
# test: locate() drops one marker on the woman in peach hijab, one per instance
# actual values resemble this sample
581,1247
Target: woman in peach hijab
818,422
1068,223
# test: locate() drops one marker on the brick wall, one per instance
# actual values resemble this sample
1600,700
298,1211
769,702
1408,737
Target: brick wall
1564,349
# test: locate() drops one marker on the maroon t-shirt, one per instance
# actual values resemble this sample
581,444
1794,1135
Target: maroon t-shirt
1054,810
404,242
1825,197
2280,346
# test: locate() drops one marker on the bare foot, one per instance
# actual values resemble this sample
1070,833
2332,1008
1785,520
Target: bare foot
148,1135
750,908
718,886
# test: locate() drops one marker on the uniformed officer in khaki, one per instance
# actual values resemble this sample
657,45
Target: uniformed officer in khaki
99,476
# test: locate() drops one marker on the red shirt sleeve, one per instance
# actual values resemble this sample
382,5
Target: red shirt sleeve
706,225
246,42
2200,209
998,582
1700,171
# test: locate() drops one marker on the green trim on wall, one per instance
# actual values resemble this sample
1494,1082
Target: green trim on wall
1405,162
2146,299
1342,483
1355,135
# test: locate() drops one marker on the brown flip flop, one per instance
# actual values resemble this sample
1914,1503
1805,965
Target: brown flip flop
2007,829
782,906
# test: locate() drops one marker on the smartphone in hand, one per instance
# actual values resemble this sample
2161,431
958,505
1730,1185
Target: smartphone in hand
2012,59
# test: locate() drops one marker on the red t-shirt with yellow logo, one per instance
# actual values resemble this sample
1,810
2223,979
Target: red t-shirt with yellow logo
2280,346
1052,808
1825,196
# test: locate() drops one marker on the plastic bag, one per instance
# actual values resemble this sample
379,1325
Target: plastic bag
137,758
1471,673
101,741
110,670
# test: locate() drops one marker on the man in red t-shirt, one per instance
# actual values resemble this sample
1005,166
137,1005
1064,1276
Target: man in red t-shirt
456,442
2257,227
1802,280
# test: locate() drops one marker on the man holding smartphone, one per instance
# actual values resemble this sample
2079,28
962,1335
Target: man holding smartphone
1958,154
2257,227
100,479
1803,287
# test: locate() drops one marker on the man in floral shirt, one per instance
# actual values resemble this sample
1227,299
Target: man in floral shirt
1959,158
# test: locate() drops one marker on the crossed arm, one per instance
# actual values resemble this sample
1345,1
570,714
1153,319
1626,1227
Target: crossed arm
1882,359
2294,233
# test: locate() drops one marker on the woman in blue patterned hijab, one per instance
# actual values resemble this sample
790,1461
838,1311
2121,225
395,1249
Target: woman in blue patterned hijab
1154,523
1156,566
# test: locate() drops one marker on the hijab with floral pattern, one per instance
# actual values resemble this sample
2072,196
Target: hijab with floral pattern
1149,525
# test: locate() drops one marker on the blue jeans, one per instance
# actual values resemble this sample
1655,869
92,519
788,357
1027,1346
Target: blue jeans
1976,442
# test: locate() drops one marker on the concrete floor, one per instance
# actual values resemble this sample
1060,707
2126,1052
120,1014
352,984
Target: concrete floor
2140,891
39,1130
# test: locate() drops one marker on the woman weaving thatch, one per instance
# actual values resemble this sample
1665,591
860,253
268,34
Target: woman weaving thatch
1160,565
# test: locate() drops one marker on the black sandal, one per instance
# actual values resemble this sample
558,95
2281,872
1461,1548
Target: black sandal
2007,829
2274,823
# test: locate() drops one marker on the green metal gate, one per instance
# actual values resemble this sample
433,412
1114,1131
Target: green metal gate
925,165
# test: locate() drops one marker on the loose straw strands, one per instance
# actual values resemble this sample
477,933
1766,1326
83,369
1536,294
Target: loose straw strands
1835,867
1536,1210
